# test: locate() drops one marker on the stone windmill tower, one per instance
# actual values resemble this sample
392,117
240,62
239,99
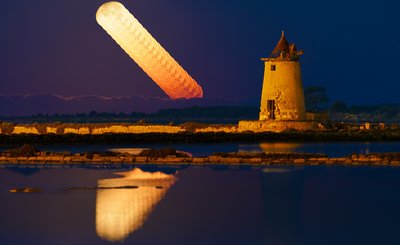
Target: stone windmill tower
282,93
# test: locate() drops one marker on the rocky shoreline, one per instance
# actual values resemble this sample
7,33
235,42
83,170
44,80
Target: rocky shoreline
28,156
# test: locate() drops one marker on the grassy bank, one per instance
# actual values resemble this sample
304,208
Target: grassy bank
187,137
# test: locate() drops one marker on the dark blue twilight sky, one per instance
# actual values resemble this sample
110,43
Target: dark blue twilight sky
56,46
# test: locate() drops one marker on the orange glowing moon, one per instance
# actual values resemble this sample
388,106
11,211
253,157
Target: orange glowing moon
141,46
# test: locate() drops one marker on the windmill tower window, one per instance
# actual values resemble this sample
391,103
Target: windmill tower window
273,67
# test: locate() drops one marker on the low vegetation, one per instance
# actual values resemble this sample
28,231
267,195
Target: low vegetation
341,134
23,151
269,155
162,153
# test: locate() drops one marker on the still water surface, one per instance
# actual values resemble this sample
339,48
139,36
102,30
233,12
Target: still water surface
333,149
309,205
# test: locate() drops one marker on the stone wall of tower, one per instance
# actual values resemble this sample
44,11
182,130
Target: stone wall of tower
282,84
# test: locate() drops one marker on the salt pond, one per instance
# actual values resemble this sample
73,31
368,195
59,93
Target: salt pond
308,205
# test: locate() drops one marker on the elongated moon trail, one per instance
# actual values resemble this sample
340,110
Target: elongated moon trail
138,43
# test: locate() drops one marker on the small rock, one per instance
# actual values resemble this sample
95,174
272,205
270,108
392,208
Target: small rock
26,190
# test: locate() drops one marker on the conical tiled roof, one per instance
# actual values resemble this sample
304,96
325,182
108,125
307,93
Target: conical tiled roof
282,45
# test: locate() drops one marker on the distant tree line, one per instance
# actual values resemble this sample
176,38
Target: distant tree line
316,100
220,114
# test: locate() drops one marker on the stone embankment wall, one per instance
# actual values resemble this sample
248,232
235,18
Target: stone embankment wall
386,159
97,129
243,126
278,126
217,130
138,129
25,130
92,129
